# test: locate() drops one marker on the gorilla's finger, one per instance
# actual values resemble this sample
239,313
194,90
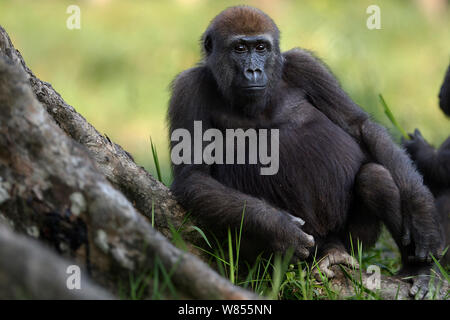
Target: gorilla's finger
296,220
421,253
422,292
306,239
420,287
439,254
323,269
414,289
417,133
406,237
301,253
439,251
443,293
351,262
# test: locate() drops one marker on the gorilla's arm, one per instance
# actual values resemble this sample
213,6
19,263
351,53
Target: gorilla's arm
214,203
221,207
303,70
433,164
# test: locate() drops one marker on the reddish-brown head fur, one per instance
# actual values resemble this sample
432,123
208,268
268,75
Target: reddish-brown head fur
243,20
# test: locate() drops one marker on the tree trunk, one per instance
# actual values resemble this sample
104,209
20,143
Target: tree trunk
39,273
142,189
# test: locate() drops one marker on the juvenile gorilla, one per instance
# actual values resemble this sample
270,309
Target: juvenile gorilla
435,166
338,171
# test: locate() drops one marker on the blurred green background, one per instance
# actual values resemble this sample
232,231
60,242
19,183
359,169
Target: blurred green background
116,70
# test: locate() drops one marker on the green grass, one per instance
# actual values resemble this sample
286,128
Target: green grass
391,117
156,161
273,277
276,278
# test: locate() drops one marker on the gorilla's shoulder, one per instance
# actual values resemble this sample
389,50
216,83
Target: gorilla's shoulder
188,78
188,89
299,55
301,63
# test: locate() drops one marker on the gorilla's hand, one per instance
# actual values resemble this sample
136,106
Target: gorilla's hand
416,143
290,235
422,238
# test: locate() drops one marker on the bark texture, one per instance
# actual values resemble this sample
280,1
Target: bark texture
28,270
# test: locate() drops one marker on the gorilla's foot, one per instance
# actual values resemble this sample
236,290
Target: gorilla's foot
427,282
333,257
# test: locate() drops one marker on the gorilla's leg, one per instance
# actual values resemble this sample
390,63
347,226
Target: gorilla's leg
378,198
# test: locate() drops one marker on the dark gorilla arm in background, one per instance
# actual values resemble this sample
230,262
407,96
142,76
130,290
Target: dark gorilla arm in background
325,93
433,164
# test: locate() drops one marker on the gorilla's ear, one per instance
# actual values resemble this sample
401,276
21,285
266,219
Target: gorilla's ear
207,44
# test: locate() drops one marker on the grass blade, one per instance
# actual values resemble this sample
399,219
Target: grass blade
230,252
202,234
156,160
391,117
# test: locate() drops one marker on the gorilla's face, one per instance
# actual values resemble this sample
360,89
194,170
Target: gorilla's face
246,68
249,56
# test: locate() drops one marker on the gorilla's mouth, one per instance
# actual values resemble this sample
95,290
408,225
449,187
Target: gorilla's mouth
251,88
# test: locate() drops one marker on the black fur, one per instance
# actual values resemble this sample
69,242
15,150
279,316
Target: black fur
434,165
444,94
339,171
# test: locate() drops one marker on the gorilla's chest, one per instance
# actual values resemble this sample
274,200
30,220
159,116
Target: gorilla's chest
318,163
311,151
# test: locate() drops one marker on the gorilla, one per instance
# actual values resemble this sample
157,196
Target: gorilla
340,175
434,165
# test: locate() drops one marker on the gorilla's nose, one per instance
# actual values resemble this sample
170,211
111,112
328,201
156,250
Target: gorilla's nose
254,76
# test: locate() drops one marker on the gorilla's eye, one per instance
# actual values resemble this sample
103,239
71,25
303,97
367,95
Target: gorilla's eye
261,47
240,48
